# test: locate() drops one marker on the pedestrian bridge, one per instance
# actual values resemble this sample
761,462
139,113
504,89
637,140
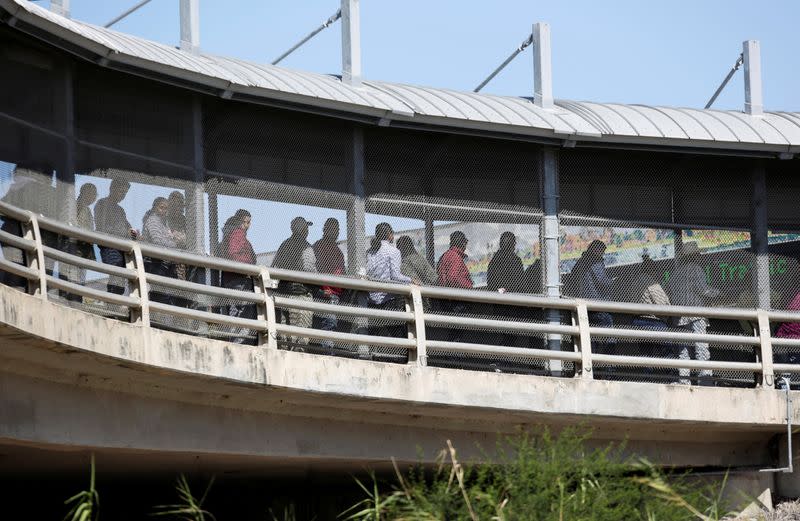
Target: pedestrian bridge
126,379
140,358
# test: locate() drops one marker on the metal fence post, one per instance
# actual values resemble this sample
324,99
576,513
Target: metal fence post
136,262
267,286
584,341
417,329
32,232
764,335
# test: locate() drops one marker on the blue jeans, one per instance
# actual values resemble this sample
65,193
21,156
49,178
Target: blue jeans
602,319
328,321
115,258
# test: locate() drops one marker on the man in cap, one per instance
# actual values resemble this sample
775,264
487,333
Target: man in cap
295,253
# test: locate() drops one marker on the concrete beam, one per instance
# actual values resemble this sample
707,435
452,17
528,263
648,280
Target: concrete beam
387,389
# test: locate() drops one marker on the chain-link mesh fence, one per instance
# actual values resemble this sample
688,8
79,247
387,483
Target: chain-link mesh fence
285,189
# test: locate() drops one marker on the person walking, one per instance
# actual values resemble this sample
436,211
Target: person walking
688,287
155,231
646,289
414,265
83,219
505,273
110,218
295,253
453,273
330,259
384,263
236,246
589,280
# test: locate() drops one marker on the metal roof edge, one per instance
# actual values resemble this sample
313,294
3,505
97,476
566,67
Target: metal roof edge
28,22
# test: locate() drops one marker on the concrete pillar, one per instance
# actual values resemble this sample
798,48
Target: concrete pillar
542,67
549,235
195,205
759,240
190,25
356,214
351,42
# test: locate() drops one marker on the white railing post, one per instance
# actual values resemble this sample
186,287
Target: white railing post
584,341
267,286
416,330
764,335
136,262
34,233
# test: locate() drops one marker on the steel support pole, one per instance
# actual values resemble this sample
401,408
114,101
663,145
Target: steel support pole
356,214
542,67
430,242
60,7
195,204
753,92
549,233
65,175
351,43
759,240
190,25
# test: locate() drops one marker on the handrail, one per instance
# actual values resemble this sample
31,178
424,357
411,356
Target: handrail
266,299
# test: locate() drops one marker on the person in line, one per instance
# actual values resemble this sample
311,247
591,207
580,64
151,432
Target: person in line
295,253
329,259
789,330
176,221
688,287
236,246
84,219
414,265
453,273
505,274
589,280
384,262
110,218
31,190
505,271
646,289
532,283
155,231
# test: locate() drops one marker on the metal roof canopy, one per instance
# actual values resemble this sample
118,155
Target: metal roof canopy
388,104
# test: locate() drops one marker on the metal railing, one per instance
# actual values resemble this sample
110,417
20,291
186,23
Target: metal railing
417,319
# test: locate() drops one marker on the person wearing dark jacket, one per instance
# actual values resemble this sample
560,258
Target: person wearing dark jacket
505,270
329,259
295,253
504,274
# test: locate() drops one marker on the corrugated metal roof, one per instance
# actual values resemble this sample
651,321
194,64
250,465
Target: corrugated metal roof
775,131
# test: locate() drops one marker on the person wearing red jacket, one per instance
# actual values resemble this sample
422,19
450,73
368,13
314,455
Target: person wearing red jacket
453,273
236,247
452,270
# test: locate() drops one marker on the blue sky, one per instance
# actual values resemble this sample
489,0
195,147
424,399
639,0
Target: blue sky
661,53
